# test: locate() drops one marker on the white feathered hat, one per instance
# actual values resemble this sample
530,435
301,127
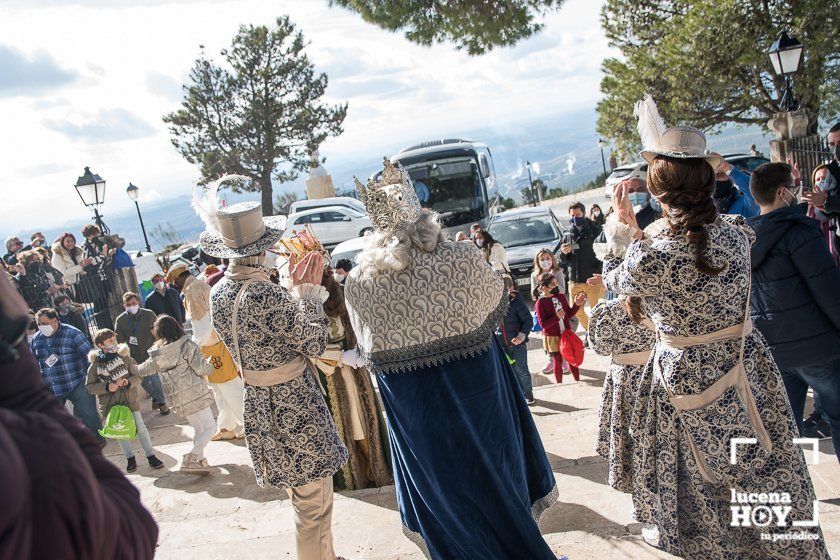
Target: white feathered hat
235,231
681,142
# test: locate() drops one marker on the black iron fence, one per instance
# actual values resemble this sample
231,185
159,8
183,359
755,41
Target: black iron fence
100,294
809,153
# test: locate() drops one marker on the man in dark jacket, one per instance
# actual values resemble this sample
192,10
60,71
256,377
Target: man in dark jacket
61,497
826,197
165,300
577,256
795,300
69,315
513,332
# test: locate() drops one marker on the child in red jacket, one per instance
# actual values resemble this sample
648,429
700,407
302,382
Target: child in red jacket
554,315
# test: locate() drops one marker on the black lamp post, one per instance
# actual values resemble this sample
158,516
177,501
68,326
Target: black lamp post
531,185
134,193
786,55
601,145
91,189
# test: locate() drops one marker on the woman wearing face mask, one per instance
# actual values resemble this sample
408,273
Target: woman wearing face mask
545,261
818,180
597,215
494,252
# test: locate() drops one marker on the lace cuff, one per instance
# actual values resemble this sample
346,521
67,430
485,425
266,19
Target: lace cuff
619,237
311,292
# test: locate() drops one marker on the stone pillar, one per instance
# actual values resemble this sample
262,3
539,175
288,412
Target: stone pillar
319,183
787,126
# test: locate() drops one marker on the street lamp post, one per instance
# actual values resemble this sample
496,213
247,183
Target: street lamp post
91,189
601,145
134,193
531,186
786,55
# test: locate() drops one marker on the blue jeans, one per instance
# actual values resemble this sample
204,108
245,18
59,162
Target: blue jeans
84,408
520,368
825,380
142,435
152,386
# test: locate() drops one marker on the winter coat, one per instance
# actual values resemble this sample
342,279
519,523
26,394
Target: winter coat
140,327
127,396
75,319
795,301
34,285
63,262
183,373
169,303
61,497
497,257
581,263
517,320
742,202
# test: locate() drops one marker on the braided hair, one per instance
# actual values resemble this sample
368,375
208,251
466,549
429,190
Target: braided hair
686,186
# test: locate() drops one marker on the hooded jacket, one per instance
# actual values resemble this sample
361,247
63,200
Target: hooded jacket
183,373
795,300
124,395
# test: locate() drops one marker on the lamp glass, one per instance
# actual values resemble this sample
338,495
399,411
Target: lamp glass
100,191
789,59
133,192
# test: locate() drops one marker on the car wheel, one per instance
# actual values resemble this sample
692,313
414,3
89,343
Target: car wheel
364,232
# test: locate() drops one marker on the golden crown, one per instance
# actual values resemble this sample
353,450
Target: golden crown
391,201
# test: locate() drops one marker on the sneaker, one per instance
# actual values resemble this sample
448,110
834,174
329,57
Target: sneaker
548,368
531,401
163,409
650,533
131,466
154,462
224,434
190,465
204,463
240,435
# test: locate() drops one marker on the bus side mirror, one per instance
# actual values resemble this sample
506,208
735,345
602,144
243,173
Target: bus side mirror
484,165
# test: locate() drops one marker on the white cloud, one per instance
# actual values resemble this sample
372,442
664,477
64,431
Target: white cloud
112,85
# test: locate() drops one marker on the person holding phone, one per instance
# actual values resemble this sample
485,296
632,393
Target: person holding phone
578,257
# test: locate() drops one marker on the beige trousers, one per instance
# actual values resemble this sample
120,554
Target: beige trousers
313,505
593,294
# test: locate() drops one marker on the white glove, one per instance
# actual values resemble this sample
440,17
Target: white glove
352,358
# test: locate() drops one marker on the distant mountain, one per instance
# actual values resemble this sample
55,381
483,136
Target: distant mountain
563,148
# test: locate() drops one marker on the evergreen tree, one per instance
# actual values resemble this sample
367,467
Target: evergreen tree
260,115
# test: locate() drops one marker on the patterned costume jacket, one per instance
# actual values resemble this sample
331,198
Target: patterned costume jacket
288,429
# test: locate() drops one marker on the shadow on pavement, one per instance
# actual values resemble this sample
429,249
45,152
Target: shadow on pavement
224,481
590,468
565,517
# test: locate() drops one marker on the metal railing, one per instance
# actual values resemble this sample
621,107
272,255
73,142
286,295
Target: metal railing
809,153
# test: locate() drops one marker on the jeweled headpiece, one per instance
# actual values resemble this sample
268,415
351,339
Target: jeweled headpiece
391,201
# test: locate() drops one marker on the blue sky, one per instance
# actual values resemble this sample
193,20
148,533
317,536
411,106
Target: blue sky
86,83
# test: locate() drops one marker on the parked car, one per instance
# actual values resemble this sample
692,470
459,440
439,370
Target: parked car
344,201
622,172
347,250
523,232
745,162
331,224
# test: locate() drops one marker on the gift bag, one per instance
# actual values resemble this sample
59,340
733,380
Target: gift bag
571,348
119,423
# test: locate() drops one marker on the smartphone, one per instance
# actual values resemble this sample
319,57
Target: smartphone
575,246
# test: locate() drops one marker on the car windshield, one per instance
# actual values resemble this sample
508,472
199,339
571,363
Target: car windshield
349,255
525,231
450,187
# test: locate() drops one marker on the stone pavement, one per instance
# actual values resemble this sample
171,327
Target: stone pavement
226,515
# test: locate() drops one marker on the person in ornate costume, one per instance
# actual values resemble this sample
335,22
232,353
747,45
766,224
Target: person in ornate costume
272,334
352,399
472,476
711,378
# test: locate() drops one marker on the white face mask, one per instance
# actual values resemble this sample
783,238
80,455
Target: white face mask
596,213
46,330
159,286
133,309
479,242
546,264
339,277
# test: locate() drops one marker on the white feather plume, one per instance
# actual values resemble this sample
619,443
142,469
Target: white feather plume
206,201
651,124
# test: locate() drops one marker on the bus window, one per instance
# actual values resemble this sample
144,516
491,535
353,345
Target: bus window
452,188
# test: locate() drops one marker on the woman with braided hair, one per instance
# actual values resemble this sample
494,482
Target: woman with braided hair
711,384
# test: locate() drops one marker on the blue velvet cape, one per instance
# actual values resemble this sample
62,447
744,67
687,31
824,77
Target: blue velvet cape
471,473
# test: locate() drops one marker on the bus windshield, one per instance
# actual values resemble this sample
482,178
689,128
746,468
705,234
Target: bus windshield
451,187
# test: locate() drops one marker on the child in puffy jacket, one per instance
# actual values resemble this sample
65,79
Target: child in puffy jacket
554,316
113,379
183,373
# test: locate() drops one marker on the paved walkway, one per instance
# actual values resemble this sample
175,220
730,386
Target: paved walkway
226,515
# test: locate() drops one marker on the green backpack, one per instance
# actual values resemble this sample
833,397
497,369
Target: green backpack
119,424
